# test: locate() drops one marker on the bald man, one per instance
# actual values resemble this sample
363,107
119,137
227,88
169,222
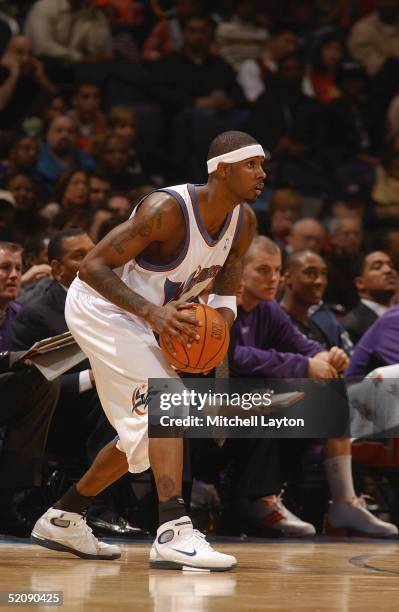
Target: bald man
307,233
22,80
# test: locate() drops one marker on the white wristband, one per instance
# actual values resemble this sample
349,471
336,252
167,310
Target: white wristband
223,301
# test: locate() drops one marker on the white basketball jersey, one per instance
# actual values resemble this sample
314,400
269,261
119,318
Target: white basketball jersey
199,261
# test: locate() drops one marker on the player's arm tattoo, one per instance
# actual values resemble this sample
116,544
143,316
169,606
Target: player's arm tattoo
106,282
228,279
101,277
143,229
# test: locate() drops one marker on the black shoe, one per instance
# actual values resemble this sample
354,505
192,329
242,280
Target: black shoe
13,523
115,525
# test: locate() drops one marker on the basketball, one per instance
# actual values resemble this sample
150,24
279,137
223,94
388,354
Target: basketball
205,353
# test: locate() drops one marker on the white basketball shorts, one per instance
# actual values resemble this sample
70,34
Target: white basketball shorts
123,354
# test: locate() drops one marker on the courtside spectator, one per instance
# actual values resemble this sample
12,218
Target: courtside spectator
270,346
376,281
10,285
7,216
28,404
79,423
305,282
378,347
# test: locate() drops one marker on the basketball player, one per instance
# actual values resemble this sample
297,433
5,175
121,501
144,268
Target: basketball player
137,281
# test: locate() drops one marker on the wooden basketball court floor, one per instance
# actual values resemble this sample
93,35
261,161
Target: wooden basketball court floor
316,575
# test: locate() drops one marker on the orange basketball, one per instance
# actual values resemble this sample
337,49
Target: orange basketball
205,353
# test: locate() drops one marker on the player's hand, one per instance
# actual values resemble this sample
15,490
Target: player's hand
338,359
319,368
170,322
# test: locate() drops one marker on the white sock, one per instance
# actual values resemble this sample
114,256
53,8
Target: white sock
339,476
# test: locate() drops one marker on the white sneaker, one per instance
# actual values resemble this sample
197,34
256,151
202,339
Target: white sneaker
351,518
179,546
277,516
69,532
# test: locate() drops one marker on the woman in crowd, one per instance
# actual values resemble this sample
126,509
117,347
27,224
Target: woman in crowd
328,56
71,191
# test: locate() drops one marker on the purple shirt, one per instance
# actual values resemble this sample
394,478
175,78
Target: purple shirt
268,344
380,344
12,310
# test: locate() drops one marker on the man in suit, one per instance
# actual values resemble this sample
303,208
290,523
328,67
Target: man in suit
376,282
28,403
79,425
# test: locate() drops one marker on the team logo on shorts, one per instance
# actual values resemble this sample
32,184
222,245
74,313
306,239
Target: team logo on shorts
140,400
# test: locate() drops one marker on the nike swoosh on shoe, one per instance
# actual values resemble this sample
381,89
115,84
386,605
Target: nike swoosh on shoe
58,522
184,552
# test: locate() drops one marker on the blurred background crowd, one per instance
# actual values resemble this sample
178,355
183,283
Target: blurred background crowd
103,101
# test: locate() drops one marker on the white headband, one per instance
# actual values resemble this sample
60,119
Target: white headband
235,156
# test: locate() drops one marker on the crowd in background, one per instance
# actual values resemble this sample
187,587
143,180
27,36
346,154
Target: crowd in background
103,101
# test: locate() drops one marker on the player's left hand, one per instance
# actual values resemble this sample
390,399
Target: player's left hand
338,359
169,321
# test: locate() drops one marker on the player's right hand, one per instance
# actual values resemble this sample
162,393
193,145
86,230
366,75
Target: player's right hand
318,368
170,321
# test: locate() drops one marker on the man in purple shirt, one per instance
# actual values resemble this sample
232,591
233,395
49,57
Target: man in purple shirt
10,285
378,347
269,345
